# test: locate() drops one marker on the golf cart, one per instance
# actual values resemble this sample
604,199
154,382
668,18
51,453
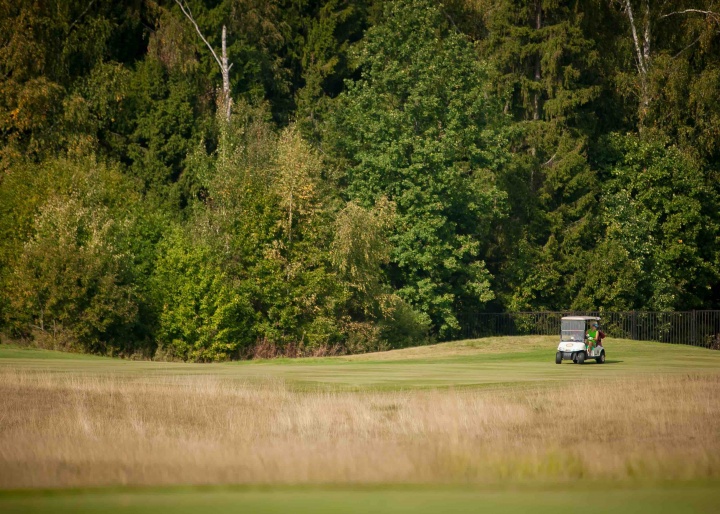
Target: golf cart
573,341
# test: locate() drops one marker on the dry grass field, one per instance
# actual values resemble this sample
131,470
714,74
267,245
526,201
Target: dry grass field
73,431
67,423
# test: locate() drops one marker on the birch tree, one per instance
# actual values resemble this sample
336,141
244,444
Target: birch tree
646,20
296,180
222,60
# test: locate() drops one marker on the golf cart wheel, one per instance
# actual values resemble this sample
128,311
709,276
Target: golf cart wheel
580,357
601,359
558,358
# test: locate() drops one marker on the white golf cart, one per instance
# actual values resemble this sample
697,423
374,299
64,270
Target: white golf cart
573,343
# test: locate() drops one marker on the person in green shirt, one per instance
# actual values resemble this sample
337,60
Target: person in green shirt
592,337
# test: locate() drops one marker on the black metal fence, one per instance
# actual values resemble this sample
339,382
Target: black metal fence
698,328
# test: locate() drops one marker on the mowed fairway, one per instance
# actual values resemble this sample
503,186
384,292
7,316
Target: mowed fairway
485,425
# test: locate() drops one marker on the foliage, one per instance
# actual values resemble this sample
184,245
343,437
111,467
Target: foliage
80,271
388,170
546,64
661,227
47,46
420,128
326,59
203,317
361,246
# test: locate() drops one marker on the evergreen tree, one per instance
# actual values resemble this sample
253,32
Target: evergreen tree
545,63
325,58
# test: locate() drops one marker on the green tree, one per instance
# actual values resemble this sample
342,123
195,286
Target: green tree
47,47
360,250
325,58
78,270
203,317
267,214
421,128
670,49
545,64
660,248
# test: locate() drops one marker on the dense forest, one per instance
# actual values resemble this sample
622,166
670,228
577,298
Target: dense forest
214,179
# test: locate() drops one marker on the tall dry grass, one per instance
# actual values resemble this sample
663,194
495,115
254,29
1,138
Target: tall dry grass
60,430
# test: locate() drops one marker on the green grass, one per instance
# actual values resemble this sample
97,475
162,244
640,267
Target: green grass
13,351
599,498
492,362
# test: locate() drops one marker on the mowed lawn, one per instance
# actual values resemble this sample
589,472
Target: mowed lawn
502,361
490,425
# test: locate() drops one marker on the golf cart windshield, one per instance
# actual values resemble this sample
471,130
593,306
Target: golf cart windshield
573,329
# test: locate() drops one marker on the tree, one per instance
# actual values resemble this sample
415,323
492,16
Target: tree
546,63
421,128
204,317
361,246
325,58
661,230
78,274
222,61
46,47
654,30
297,176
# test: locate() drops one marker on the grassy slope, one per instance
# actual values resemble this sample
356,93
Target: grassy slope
499,362
485,362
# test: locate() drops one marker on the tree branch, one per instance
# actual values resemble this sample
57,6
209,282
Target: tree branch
686,11
222,61
451,21
549,161
691,44
81,16
189,16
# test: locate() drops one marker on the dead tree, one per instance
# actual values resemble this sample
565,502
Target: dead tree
641,43
226,99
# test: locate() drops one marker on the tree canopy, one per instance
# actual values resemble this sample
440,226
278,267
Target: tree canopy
387,170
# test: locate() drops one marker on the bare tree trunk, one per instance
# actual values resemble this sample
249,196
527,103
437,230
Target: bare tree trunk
642,53
225,69
226,99
646,57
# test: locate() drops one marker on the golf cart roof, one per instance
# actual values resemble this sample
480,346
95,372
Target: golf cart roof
581,318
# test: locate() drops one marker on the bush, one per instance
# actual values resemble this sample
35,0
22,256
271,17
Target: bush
203,316
74,276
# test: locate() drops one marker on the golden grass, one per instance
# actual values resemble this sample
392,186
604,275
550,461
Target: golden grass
73,430
487,345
